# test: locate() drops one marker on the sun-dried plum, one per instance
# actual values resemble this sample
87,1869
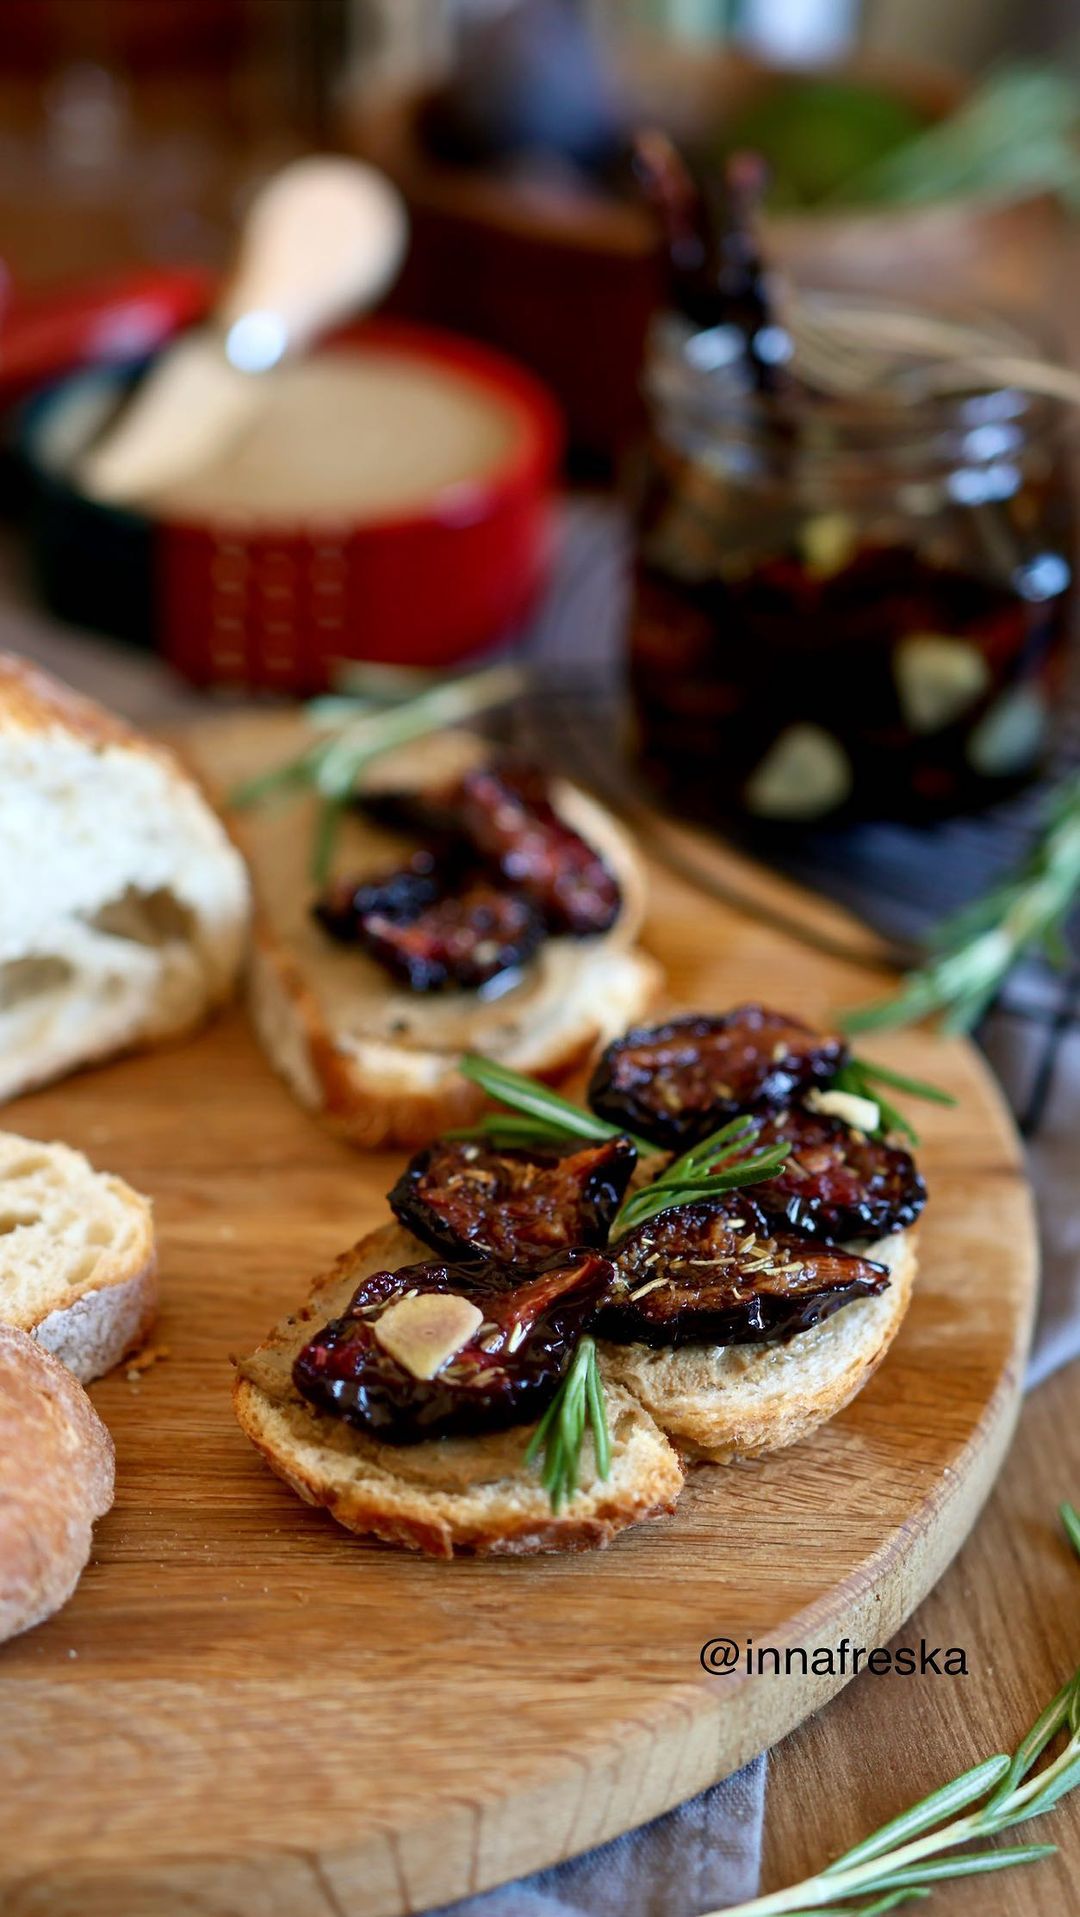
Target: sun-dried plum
434,926
468,1200
502,810
506,1372
676,1083
719,1273
836,1184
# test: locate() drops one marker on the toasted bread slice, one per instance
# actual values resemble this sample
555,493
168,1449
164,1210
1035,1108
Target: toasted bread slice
77,1265
376,1061
721,1402
450,1495
123,908
56,1477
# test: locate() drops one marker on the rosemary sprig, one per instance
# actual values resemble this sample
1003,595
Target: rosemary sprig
978,947
578,1403
901,1862
550,1117
718,1164
865,1081
354,731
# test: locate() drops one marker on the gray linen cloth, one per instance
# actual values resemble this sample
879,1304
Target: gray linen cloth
706,1854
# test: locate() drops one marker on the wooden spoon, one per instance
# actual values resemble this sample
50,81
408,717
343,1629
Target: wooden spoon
322,240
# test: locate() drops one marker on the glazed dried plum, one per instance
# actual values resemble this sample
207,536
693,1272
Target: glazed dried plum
836,1183
505,1373
470,1201
719,1273
676,1083
503,812
434,924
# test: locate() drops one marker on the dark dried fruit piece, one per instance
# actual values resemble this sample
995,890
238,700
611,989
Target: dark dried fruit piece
719,1273
503,811
676,1083
469,1200
836,1184
506,1372
433,925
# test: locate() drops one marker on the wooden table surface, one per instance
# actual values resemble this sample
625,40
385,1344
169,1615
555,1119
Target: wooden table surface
1011,1600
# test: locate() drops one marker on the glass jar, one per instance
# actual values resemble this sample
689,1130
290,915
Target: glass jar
843,607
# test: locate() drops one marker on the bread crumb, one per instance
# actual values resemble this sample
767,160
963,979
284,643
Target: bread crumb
142,1361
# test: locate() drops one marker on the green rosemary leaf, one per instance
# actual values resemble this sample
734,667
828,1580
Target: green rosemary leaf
362,729
966,1789
598,1420
974,951
1065,1779
668,1192
1027,1754
322,846
915,1087
1070,1518
538,1101
560,1434
264,785
973,1863
712,1151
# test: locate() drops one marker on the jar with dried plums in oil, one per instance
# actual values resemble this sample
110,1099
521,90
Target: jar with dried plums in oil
851,605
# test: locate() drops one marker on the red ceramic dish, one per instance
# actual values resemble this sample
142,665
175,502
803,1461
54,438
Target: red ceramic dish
280,606
275,605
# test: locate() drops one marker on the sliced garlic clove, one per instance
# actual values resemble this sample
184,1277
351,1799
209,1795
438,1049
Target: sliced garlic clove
424,1332
804,774
937,679
827,543
862,1114
1010,735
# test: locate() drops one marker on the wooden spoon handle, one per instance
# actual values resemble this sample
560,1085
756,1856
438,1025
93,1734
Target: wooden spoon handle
322,239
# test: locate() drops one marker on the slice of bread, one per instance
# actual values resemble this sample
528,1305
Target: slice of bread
77,1265
721,1402
450,1495
376,1061
56,1477
124,907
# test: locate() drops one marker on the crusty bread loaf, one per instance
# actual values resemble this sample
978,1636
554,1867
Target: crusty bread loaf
77,1263
376,1061
123,907
451,1495
56,1477
722,1402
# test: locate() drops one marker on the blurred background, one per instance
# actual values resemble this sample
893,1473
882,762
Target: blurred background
831,594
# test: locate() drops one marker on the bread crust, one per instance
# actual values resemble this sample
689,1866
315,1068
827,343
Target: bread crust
93,1304
56,1477
717,1404
502,1513
114,830
376,1093
33,701
375,1097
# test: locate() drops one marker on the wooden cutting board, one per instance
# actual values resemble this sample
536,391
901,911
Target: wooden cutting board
244,1709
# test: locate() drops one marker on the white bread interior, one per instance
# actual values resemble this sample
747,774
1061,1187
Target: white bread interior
124,906
77,1262
721,1402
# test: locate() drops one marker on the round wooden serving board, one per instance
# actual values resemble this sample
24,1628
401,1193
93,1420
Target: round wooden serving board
244,1709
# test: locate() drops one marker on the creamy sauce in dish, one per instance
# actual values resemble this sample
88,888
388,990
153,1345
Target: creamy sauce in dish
353,435
361,435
